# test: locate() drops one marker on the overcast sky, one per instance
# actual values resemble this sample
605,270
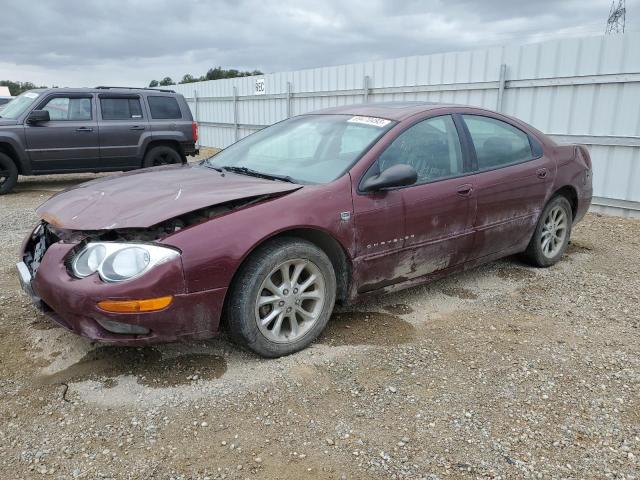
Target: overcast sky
87,43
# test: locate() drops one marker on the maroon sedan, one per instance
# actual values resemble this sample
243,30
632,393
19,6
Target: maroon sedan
267,235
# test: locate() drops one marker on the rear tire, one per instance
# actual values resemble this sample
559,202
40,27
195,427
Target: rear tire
282,298
8,174
552,234
161,155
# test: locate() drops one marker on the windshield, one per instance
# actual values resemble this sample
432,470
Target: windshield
308,149
18,105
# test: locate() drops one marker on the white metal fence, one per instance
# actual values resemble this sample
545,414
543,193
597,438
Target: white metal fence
584,90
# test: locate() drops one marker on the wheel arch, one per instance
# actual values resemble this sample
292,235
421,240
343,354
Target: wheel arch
324,241
571,194
11,152
175,144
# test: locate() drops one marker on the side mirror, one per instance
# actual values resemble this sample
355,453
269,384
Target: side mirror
38,116
399,175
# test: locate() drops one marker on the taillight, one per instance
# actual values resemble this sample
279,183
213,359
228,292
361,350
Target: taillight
194,131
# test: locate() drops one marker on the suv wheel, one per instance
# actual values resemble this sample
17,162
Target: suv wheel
282,298
8,174
552,233
161,155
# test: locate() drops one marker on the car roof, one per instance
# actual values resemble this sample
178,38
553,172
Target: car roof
389,110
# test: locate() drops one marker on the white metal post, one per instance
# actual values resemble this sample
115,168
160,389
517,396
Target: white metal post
195,111
288,99
235,114
501,84
365,89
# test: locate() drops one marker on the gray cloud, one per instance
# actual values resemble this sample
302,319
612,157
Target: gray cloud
79,42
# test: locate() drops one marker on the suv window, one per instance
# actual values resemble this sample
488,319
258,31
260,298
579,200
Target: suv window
432,147
497,143
69,109
120,108
164,107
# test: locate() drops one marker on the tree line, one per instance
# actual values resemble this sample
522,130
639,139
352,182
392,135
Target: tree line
212,74
16,88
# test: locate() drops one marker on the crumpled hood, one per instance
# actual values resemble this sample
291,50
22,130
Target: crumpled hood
143,198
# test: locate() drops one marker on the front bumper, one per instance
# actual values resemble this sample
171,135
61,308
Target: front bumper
72,302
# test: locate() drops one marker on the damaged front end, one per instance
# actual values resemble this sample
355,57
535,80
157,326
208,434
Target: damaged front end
138,293
46,234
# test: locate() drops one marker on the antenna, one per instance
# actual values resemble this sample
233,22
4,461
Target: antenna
615,22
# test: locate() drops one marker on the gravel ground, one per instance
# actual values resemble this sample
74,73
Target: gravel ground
502,372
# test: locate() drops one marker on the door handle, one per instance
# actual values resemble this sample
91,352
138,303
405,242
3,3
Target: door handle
465,190
84,129
542,173
137,127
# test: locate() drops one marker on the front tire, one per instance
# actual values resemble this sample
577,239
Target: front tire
552,233
282,298
8,174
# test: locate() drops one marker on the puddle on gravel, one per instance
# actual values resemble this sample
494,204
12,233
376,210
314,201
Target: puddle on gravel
105,364
459,292
517,273
578,247
398,309
366,328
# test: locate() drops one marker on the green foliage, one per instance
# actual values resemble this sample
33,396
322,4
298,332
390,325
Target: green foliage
188,78
212,74
219,72
16,88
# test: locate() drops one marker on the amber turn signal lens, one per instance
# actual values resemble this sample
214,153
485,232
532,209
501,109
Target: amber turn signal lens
135,306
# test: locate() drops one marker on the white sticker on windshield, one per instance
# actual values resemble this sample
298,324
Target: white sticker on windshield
31,95
375,121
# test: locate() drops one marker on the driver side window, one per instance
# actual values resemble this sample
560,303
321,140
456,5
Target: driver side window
69,109
432,147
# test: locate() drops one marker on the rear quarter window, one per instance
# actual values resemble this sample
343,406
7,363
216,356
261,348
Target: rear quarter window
163,108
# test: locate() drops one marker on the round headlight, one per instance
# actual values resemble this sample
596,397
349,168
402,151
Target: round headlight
125,263
89,260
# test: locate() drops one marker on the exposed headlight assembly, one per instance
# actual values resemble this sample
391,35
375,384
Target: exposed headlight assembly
117,261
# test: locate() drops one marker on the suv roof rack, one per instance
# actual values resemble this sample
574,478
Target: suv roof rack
102,87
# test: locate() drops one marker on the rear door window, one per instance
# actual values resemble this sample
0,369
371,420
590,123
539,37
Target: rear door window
118,108
497,143
164,108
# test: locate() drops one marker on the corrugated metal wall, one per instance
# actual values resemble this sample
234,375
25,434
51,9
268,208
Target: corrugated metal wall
584,90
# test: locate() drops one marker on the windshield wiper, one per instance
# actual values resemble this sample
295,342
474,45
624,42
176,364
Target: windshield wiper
210,165
255,173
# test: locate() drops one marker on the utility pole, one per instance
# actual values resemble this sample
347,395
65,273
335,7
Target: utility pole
616,20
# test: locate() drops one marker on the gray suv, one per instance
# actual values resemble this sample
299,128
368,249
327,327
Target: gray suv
102,129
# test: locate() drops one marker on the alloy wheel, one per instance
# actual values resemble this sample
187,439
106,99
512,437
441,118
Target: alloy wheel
554,232
290,300
164,158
